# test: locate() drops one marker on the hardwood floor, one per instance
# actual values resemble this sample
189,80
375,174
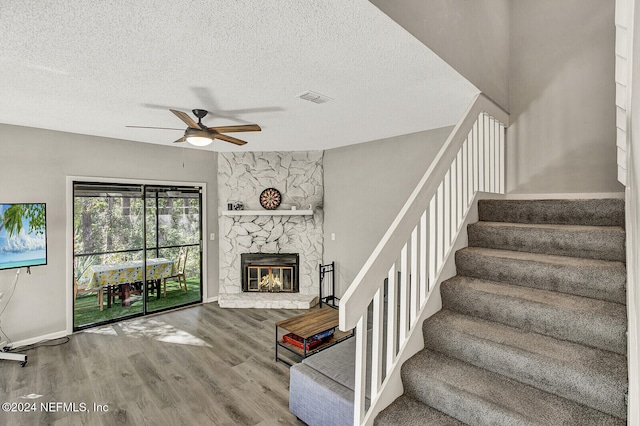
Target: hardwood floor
199,366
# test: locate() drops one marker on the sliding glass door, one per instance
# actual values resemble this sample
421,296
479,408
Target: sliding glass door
137,250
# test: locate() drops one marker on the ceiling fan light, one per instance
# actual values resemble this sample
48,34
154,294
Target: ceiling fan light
199,140
198,137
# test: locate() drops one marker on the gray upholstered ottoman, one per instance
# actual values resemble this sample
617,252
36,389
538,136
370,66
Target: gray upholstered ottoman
321,387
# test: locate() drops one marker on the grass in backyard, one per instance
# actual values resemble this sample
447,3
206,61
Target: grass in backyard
91,314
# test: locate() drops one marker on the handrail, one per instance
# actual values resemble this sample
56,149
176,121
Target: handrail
357,297
410,255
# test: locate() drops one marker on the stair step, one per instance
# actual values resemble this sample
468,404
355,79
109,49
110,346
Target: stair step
591,242
406,411
477,396
577,319
533,327
597,279
604,212
589,376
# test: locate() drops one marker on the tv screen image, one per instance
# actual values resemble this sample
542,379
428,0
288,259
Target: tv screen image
23,235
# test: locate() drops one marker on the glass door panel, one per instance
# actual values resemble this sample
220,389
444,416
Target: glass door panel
173,237
108,253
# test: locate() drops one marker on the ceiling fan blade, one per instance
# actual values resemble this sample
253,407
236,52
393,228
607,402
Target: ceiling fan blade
229,139
147,127
239,128
182,139
185,118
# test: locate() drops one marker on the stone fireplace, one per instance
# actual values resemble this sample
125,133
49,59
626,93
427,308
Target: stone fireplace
269,272
296,226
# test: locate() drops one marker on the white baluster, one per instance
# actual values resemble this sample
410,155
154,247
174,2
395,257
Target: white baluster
492,154
391,317
501,161
377,334
440,225
453,223
433,243
447,212
459,188
497,165
424,258
465,175
404,292
413,279
487,154
361,370
480,153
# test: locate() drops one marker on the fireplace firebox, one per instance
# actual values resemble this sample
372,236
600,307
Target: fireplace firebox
270,272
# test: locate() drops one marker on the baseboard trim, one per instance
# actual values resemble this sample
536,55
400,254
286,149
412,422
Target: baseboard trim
60,334
32,340
564,196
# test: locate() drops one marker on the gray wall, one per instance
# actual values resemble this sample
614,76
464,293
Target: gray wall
471,36
550,63
365,186
562,97
34,167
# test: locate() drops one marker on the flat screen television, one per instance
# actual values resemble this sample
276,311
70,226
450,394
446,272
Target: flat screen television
23,235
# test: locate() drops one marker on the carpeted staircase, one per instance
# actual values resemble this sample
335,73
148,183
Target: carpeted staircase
533,327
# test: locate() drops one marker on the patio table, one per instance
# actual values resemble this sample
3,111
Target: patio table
125,273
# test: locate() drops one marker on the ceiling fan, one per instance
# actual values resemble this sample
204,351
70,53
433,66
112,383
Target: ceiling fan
200,135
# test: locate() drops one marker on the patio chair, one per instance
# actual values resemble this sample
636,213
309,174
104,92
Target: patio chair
81,289
179,275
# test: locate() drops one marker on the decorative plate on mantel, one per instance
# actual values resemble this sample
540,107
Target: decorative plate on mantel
270,198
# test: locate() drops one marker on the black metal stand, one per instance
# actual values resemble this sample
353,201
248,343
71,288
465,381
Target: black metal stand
327,293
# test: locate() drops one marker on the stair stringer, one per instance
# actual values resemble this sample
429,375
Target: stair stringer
393,387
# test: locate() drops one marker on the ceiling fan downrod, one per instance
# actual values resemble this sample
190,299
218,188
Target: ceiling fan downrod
200,113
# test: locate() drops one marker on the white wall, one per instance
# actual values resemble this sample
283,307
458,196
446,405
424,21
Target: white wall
562,97
365,186
471,36
34,166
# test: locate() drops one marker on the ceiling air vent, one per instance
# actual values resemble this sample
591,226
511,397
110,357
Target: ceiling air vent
314,97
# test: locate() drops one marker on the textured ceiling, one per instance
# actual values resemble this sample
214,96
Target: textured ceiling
94,67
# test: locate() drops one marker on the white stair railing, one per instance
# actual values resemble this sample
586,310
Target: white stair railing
408,260
628,142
